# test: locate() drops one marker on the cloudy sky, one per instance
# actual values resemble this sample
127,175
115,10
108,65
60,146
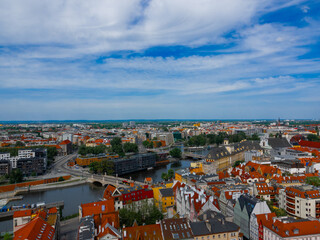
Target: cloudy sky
159,59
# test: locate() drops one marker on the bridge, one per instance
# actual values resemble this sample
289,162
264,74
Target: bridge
192,155
106,179
9,214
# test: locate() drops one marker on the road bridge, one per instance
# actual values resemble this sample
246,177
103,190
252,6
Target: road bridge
105,180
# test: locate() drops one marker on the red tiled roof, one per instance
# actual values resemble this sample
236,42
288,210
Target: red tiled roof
65,142
309,144
22,213
145,232
36,229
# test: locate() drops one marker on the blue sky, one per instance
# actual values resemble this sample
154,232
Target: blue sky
159,59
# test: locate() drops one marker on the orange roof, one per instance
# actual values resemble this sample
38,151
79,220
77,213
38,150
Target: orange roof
294,228
104,206
22,213
145,232
65,142
36,229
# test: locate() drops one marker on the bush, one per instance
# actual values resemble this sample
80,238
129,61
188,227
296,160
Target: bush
61,179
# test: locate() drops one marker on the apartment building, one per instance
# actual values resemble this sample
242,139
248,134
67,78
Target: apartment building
300,201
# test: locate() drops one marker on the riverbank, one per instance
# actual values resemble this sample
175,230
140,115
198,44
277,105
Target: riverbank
15,195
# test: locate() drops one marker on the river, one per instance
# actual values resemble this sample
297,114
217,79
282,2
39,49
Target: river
76,195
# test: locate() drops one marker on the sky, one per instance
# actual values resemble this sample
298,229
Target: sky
159,59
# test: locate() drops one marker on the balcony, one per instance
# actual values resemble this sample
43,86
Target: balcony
291,206
290,211
290,200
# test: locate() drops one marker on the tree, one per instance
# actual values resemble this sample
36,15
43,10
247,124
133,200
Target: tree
130,147
19,144
61,179
7,236
159,144
164,176
176,153
313,138
145,214
237,163
16,176
147,144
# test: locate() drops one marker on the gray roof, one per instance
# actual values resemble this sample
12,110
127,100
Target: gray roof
278,143
216,225
217,153
166,192
86,228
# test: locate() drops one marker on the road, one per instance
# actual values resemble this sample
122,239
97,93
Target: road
69,229
60,167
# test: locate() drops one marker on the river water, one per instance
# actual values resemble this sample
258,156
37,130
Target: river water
76,195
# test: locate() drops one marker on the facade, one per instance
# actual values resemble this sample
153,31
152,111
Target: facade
135,163
247,205
262,190
301,201
4,167
289,228
166,198
190,201
257,223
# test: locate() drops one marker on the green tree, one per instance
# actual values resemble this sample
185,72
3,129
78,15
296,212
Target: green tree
19,144
7,236
313,138
147,144
61,179
237,163
145,214
130,147
176,153
16,176
164,176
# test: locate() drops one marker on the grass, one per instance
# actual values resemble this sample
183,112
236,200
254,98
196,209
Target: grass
70,217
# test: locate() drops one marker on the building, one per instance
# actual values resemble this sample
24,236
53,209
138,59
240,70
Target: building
176,228
4,167
214,226
191,201
86,229
290,228
66,147
36,224
166,198
226,155
262,190
247,205
227,200
144,232
134,163
85,161
103,214
256,224
300,201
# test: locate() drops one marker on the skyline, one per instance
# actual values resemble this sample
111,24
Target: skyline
159,59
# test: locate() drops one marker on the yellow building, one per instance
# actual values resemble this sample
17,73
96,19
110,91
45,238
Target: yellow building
163,196
166,198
